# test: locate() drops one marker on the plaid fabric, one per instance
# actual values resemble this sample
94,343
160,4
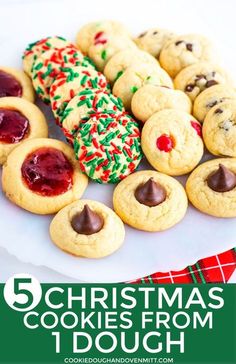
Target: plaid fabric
215,269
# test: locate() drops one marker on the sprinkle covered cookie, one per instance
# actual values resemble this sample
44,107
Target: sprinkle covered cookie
50,63
84,105
108,147
69,82
34,50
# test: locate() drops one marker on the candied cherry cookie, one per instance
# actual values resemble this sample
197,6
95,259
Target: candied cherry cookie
87,228
50,63
172,143
84,105
124,59
150,201
153,40
108,146
211,187
198,77
101,52
15,83
219,129
137,76
19,120
184,50
211,97
150,99
34,50
42,176
96,32
69,82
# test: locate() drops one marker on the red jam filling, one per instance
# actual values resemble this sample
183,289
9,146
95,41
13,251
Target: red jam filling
13,126
9,86
165,143
47,172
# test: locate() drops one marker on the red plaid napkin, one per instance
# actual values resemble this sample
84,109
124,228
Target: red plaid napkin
215,269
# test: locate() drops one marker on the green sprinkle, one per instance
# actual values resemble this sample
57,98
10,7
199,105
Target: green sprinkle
84,79
120,73
39,66
104,54
134,89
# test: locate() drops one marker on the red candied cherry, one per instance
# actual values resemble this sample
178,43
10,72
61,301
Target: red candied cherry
197,127
165,143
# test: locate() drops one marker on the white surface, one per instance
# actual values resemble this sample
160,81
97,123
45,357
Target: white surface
143,253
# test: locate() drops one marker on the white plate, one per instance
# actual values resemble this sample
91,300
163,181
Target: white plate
26,235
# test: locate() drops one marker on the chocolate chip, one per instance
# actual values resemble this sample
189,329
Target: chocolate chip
218,111
211,83
189,47
189,87
179,42
154,33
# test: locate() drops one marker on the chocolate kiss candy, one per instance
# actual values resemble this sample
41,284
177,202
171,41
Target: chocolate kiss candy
222,180
87,222
150,193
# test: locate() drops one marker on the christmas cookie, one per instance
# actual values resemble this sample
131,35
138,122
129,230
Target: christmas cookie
101,52
153,40
211,97
88,229
184,50
15,83
124,59
211,187
219,129
50,63
34,50
82,106
108,147
137,76
171,141
96,33
19,120
150,99
71,81
150,201
42,176
198,77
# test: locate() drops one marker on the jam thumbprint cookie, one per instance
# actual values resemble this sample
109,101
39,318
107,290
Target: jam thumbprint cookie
87,228
15,83
19,120
211,187
42,176
150,201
